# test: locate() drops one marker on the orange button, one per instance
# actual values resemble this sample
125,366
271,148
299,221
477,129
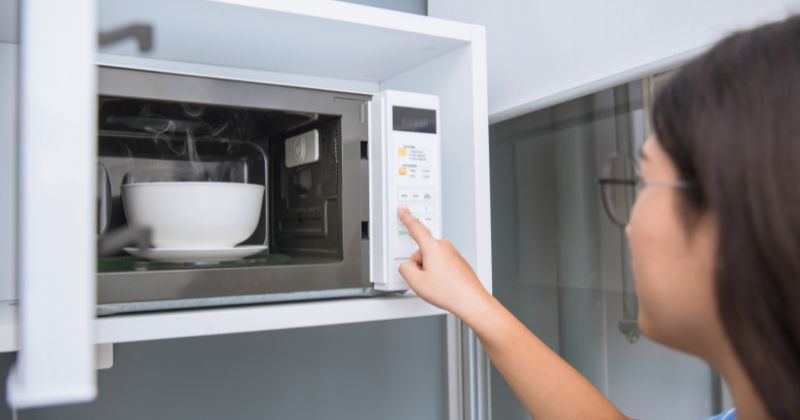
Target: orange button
403,170
402,152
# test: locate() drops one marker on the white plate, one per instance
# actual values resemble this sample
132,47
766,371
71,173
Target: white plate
196,255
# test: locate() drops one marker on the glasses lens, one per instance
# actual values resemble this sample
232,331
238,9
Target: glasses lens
619,189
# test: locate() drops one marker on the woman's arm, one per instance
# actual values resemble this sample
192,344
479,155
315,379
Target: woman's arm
548,386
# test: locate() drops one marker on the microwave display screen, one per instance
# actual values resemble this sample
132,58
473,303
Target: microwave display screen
415,120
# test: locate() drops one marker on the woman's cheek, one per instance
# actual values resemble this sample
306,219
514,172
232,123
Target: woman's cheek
643,239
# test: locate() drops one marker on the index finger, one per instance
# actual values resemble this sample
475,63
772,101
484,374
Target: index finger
418,231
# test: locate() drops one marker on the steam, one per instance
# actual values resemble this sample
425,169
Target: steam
180,141
167,131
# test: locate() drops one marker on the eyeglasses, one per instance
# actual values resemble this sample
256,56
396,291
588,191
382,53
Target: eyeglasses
620,185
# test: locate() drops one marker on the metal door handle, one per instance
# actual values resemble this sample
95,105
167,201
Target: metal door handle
141,32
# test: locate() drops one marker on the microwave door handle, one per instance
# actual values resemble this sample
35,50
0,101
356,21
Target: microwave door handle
141,32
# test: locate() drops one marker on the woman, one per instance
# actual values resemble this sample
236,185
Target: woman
714,235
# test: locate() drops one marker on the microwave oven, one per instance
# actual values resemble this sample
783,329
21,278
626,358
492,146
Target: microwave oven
328,170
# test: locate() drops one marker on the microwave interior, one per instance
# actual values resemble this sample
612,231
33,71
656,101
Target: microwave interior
172,149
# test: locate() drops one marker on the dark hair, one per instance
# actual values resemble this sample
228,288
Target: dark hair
730,121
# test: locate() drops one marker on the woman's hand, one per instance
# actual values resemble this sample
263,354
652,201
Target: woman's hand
438,273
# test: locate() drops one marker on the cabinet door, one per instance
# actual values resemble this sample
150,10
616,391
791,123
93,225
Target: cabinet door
542,53
8,143
55,238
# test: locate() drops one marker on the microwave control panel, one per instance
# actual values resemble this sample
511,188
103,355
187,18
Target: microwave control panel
412,176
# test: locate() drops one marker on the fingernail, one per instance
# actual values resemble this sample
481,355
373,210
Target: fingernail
402,207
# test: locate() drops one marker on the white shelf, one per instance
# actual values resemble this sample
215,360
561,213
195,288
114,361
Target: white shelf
125,328
320,38
195,323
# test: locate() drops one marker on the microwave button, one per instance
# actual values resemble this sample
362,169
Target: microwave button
427,220
418,209
405,195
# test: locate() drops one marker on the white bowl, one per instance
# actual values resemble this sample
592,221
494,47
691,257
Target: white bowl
194,215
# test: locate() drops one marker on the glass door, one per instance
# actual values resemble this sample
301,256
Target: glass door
564,269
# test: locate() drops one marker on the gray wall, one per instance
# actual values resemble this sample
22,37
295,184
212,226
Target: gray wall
377,370
559,264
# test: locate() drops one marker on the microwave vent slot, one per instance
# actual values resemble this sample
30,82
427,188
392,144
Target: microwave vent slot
330,174
365,230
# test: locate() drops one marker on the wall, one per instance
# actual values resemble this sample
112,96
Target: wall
540,49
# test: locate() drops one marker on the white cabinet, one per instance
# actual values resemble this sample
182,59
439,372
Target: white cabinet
542,53
313,44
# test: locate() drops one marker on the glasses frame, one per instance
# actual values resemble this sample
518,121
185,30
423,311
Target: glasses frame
637,182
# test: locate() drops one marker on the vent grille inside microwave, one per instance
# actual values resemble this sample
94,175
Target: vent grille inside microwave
331,171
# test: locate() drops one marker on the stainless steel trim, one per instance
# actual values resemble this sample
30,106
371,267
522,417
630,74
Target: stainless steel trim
469,375
455,397
478,384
